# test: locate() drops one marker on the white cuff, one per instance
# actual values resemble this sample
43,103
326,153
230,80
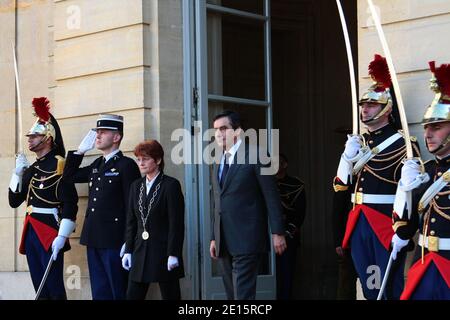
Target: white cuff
16,183
66,227
344,170
400,203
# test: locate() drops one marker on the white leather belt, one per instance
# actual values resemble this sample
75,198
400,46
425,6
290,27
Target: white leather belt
435,243
53,211
361,198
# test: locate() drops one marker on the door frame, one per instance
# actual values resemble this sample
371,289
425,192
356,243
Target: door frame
197,177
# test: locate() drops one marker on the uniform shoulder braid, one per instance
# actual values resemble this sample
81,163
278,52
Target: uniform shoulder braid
411,138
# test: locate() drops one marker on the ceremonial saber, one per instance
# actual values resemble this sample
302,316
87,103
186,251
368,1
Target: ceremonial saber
44,278
387,53
385,278
19,101
351,69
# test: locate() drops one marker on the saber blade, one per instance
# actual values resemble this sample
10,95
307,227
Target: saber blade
44,278
351,68
19,102
387,53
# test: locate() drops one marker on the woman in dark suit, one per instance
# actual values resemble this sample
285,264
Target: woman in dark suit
155,227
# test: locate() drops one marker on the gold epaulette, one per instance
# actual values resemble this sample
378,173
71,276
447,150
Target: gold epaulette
399,224
60,165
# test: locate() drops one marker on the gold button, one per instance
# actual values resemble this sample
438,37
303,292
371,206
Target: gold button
439,174
360,189
433,220
432,233
364,170
371,142
437,197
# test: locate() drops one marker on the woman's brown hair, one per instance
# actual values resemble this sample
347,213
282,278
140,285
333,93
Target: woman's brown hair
151,148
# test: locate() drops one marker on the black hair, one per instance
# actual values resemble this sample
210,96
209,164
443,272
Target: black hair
234,117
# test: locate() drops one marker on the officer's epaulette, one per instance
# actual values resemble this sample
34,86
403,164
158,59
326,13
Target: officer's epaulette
412,138
60,165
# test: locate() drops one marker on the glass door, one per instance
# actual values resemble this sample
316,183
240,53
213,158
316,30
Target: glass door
232,72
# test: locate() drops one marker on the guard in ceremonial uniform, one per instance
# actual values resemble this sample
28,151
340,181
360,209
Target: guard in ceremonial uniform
293,200
109,178
369,169
51,202
429,276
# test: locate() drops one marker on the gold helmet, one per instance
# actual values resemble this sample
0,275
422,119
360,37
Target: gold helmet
42,125
46,125
379,91
439,110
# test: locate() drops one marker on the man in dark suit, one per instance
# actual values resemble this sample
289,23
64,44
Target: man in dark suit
109,178
245,199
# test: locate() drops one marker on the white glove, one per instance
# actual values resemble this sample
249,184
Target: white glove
122,251
172,263
66,227
126,261
410,172
57,245
88,142
21,164
352,146
397,245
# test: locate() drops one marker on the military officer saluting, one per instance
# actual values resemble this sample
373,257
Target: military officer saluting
370,169
429,276
51,202
109,178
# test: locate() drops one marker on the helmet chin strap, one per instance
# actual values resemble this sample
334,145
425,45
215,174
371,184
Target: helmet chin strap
441,146
40,142
383,111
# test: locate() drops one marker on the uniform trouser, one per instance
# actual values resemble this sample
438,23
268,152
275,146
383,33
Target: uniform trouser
239,274
286,271
38,260
170,290
370,259
432,286
108,278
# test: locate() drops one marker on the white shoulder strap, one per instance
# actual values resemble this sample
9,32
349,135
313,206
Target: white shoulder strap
434,189
368,153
